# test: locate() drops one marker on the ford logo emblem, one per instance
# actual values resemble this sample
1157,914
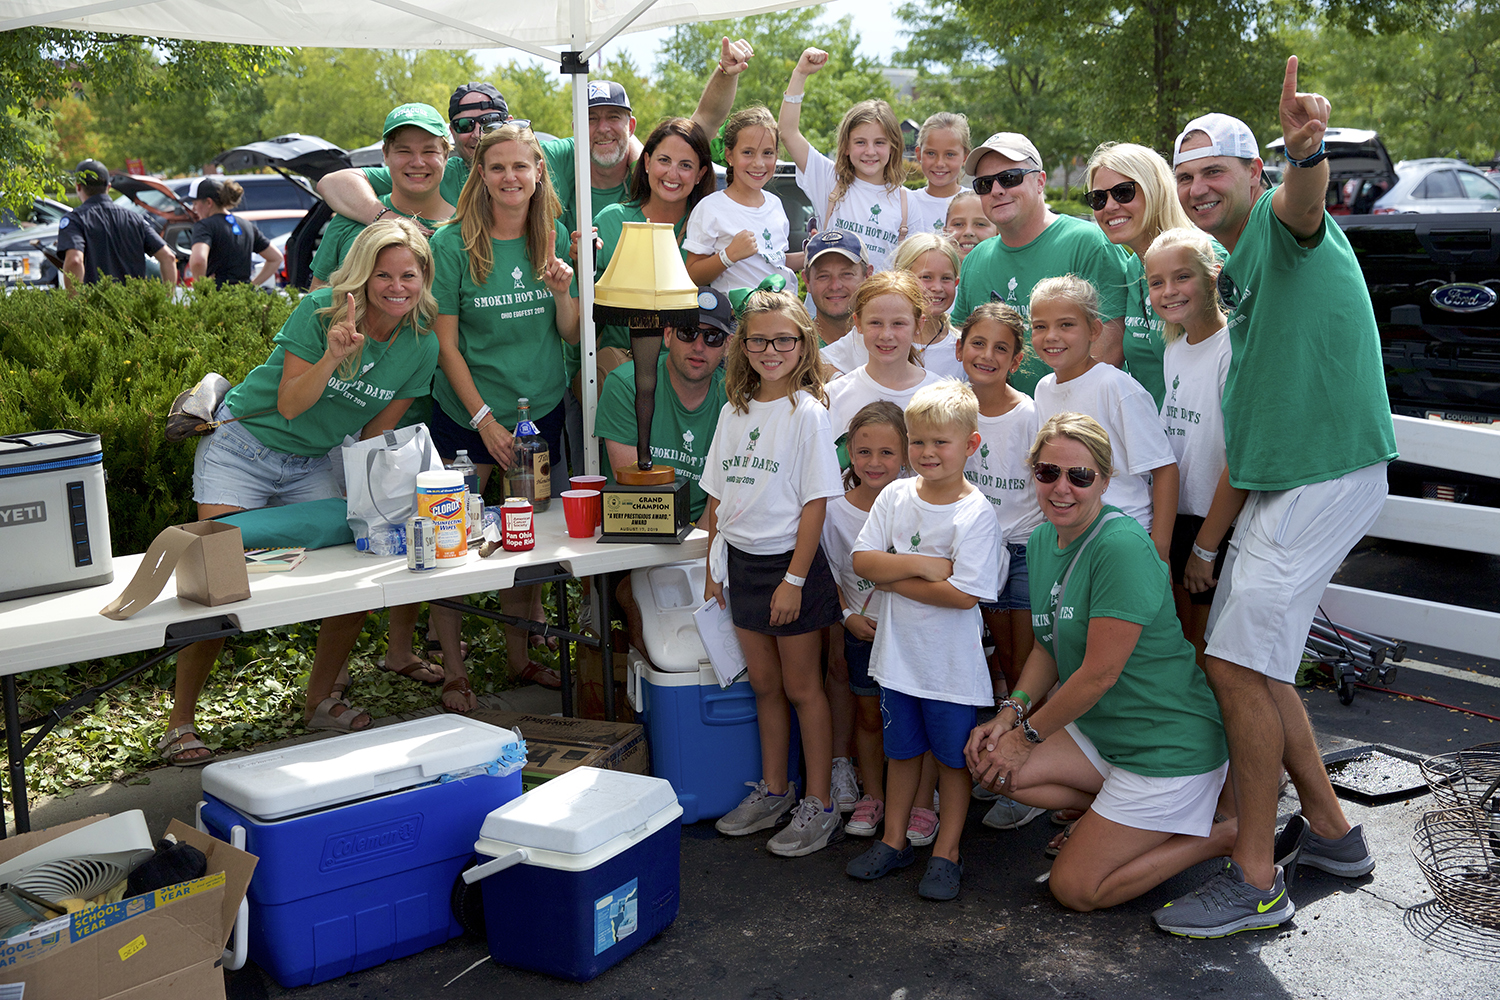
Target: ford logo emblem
1463,297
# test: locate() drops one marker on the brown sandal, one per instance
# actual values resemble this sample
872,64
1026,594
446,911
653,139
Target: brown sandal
323,717
538,673
460,686
411,670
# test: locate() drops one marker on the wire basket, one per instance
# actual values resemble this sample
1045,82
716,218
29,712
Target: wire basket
1464,778
1458,850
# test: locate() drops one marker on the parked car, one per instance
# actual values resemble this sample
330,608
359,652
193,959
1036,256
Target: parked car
1439,185
44,212
800,213
1360,170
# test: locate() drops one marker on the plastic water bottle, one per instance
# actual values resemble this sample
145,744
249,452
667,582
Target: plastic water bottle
462,463
384,540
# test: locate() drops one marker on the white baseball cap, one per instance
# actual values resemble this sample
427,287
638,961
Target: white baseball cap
1011,145
1227,135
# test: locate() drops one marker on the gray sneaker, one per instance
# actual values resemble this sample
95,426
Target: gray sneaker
811,829
1227,904
1348,856
1008,814
845,784
760,810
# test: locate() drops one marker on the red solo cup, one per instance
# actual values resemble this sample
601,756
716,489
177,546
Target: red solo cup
591,483
578,508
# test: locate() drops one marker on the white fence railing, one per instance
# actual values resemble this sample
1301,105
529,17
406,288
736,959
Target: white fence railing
1462,448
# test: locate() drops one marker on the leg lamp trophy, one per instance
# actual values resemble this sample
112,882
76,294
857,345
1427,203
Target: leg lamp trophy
646,288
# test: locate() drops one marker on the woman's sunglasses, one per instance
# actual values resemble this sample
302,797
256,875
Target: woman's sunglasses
1005,178
1123,193
487,127
711,337
1079,476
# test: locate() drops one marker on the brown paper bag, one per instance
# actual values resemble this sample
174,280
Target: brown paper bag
209,557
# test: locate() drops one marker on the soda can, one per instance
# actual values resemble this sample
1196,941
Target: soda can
516,525
421,544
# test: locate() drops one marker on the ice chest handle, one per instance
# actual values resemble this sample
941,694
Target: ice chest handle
720,707
239,940
472,875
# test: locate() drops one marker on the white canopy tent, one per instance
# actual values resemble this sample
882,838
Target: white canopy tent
568,32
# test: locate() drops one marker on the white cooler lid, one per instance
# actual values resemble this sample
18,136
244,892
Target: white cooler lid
668,595
373,761
580,812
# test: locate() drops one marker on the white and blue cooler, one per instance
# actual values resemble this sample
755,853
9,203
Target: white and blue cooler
704,739
54,520
360,838
585,870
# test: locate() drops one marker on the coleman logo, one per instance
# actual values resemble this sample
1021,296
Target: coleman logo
23,513
391,837
1463,297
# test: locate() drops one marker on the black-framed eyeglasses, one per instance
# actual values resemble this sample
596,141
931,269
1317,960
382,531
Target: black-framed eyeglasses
1080,476
1005,178
487,127
1123,193
463,126
712,337
783,345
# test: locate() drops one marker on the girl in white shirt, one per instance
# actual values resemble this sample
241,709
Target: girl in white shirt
966,224
738,236
943,145
933,259
859,190
769,474
1181,270
888,310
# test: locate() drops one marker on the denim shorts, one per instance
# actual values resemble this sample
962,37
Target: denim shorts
913,726
857,655
233,469
1015,594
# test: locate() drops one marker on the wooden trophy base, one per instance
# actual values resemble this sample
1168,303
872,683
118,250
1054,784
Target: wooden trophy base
647,506
657,475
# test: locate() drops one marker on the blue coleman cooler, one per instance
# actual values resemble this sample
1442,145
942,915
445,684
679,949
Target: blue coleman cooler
360,838
580,872
704,739
54,523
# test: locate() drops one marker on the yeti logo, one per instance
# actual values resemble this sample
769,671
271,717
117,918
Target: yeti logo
517,274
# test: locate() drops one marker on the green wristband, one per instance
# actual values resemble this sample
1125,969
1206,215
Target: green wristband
1021,696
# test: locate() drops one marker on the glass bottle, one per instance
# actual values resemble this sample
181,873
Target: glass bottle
530,473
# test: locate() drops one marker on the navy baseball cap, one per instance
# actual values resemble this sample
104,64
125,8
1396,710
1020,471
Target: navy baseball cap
714,310
494,101
91,172
835,241
607,94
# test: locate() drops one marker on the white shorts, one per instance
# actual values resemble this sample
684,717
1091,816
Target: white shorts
1165,805
1286,546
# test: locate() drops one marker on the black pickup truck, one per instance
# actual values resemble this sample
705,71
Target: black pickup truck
1435,285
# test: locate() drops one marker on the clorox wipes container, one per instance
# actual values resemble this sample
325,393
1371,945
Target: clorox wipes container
441,495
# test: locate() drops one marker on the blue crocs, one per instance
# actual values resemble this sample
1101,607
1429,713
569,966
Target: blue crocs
881,859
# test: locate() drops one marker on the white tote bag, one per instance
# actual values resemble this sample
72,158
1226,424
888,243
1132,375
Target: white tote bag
380,475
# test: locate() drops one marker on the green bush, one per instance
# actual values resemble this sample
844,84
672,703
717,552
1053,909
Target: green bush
110,360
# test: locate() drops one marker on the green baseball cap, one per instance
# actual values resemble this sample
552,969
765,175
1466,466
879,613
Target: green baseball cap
424,116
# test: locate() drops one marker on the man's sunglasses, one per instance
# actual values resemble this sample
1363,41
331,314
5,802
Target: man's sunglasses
463,126
1079,476
711,337
1005,178
1123,193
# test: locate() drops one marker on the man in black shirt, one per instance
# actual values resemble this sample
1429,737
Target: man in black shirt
103,238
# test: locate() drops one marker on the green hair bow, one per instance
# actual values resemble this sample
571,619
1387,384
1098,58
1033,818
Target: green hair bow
737,296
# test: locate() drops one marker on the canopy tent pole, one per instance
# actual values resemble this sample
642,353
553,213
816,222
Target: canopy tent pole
574,65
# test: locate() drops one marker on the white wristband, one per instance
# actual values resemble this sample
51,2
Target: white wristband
724,259
849,613
795,581
789,99
477,417
1204,554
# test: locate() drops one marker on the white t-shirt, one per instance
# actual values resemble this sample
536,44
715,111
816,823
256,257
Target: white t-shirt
998,469
1125,411
867,210
1193,415
849,352
764,466
718,219
848,395
941,357
840,530
920,649
931,211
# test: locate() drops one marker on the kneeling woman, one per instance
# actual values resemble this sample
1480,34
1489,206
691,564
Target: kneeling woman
1133,731
345,348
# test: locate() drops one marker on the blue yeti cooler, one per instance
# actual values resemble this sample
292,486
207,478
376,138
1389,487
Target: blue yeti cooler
704,739
585,871
360,838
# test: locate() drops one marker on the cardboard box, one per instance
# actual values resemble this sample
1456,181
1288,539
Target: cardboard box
556,745
165,947
209,560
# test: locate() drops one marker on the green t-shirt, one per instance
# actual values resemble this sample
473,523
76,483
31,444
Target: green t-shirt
507,328
1067,246
400,368
610,223
1305,400
339,236
679,437
559,154
1144,343
1160,718
455,173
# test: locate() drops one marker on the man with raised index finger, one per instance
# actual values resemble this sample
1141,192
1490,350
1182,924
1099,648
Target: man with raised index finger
1309,434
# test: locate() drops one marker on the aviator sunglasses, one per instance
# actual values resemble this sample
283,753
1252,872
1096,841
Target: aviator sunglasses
1123,193
1005,178
1079,476
711,337
487,127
